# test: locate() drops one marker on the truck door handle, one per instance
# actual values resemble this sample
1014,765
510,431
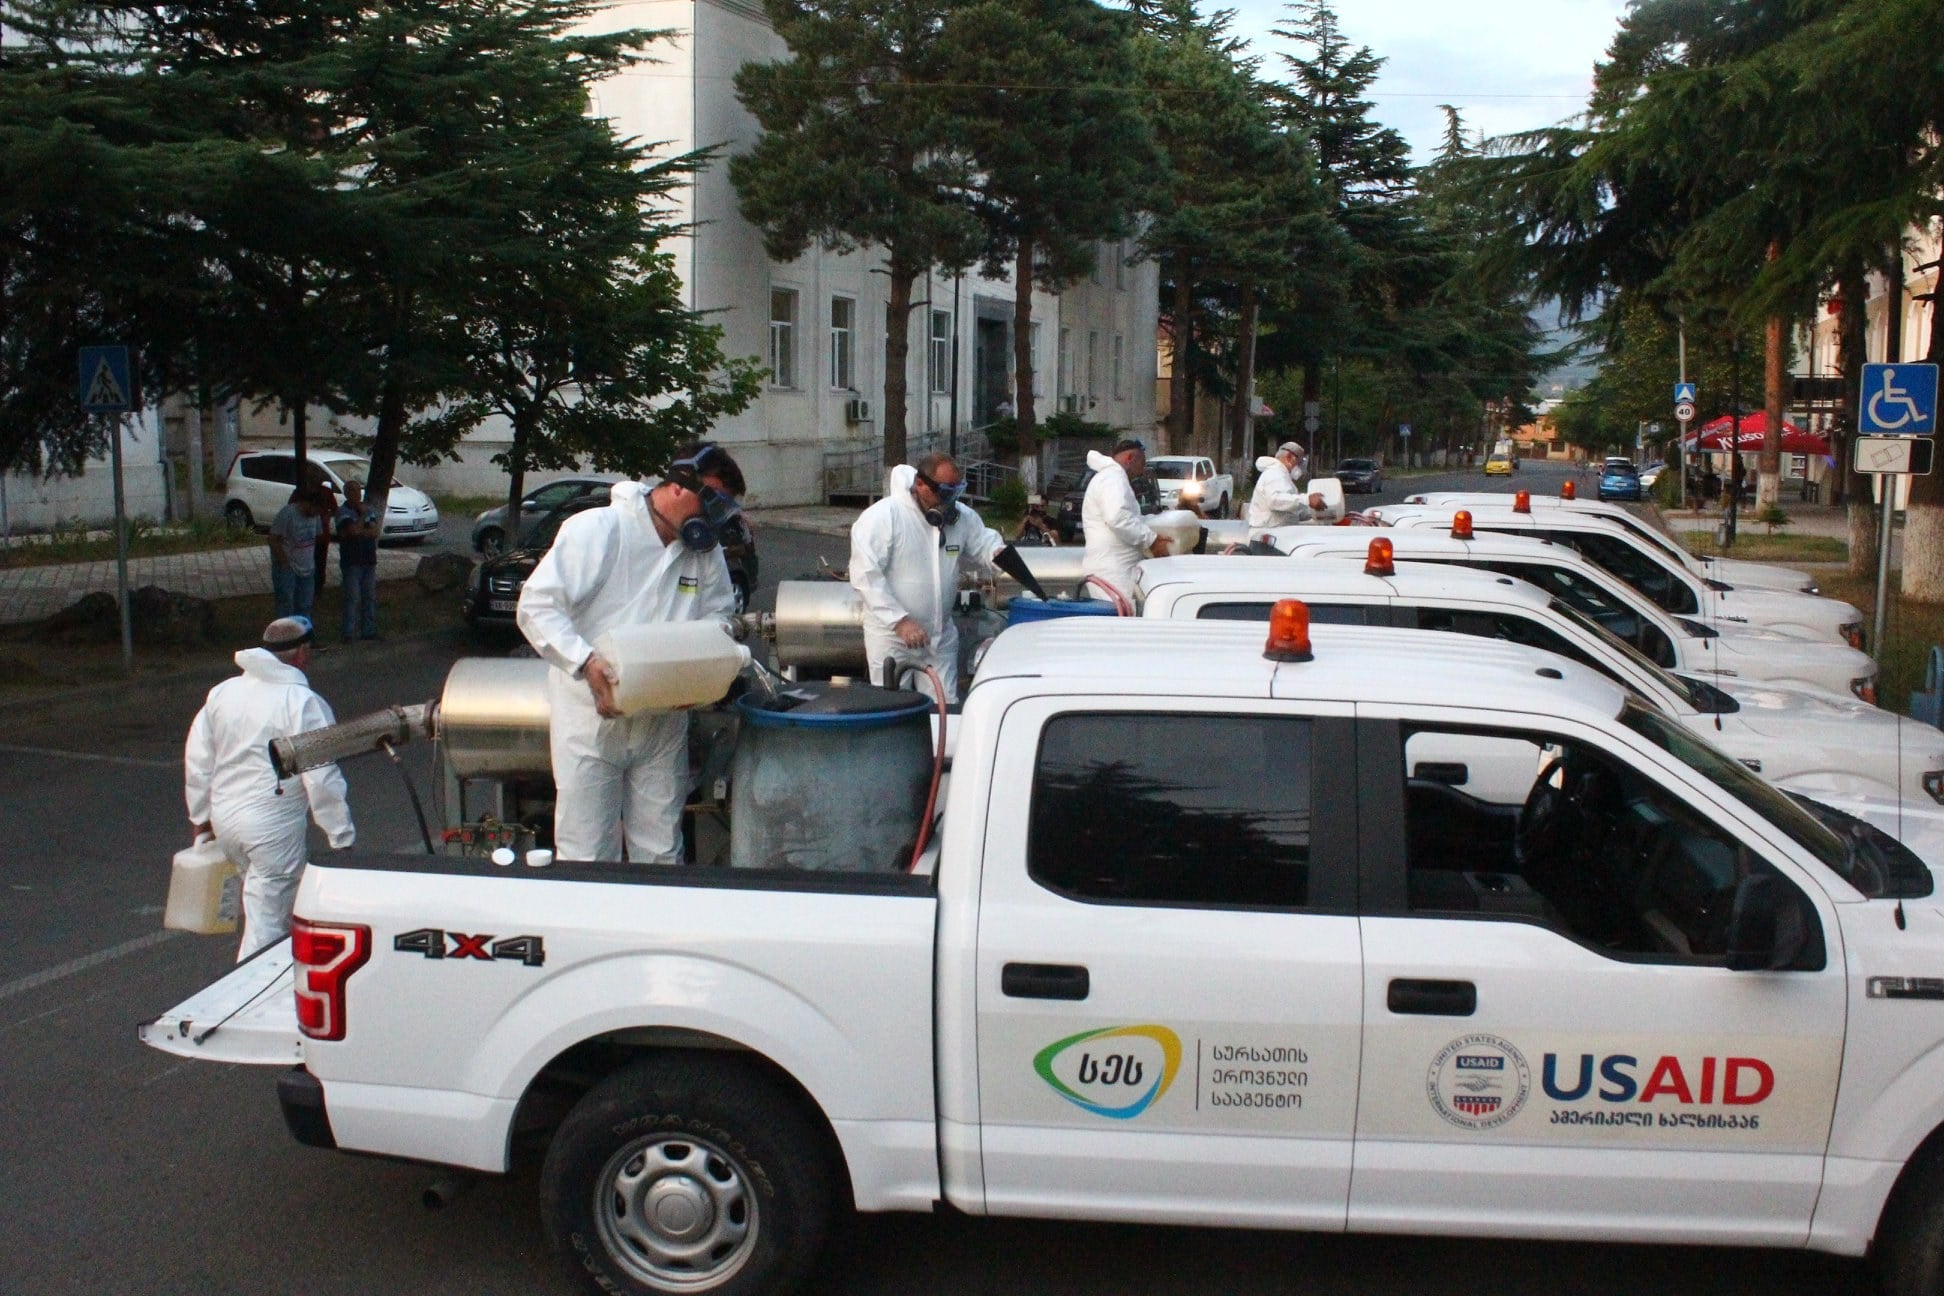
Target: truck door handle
1432,998
1043,981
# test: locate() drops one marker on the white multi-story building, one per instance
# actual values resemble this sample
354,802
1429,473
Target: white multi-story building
818,322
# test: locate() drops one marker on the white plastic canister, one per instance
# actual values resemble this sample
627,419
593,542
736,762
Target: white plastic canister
1182,528
205,890
668,665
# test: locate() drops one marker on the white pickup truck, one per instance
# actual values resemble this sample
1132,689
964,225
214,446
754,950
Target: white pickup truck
1268,942
1190,481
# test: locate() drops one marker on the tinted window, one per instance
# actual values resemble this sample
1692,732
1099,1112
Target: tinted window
1320,613
1173,809
271,468
1633,567
555,495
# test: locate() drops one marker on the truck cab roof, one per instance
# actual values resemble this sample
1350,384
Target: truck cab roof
1103,656
1261,574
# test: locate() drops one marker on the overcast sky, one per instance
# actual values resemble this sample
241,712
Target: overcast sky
1507,65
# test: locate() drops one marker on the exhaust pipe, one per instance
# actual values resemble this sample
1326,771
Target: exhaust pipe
441,1193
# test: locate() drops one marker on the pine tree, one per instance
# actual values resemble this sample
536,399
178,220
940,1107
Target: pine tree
1046,108
856,153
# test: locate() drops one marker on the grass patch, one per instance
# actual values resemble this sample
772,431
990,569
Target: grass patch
28,665
1766,548
1908,635
67,544
467,505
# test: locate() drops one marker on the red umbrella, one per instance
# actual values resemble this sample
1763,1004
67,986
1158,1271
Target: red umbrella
1754,427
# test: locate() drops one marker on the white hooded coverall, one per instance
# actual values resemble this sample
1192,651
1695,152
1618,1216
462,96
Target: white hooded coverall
1277,499
229,785
903,566
608,568
1118,538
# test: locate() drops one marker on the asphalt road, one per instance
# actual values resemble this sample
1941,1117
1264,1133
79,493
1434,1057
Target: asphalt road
128,1171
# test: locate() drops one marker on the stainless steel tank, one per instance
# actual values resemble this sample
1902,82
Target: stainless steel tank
837,782
493,717
819,626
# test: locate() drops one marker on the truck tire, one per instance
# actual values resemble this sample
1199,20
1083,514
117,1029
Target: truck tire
687,1173
1221,510
1910,1239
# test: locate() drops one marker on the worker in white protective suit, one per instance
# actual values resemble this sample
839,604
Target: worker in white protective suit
1117,536
652,555
1278,500
907,551
235,795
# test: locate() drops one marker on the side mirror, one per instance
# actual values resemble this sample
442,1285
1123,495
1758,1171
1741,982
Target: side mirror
1769,926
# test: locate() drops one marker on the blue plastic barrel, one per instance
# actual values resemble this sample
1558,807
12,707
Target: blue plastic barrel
1026,608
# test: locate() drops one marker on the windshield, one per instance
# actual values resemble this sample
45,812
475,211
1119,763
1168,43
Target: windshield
1171,469
1708,703
1735,778
351,470
1879,864
1596,602
1356,465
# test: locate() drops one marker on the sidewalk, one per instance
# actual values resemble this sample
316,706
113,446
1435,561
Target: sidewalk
34,593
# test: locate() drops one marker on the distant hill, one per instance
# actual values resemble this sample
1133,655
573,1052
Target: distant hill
1567,377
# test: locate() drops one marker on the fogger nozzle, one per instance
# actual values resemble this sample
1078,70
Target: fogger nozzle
368,733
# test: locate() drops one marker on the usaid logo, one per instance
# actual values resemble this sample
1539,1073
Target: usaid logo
1478,1082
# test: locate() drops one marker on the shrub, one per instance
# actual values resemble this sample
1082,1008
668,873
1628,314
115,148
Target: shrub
1009,497
1666,489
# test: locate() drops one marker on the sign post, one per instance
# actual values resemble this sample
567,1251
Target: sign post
1685,394
1897,401
105,390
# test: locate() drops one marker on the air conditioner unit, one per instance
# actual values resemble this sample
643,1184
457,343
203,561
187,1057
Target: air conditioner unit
1072,403
857,410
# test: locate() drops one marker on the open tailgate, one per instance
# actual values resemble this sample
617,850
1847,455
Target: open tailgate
248,1016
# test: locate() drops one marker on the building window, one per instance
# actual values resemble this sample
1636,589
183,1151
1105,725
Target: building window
1093,365
941,351
783,319
1120,365
843,327
1066,362
1120,267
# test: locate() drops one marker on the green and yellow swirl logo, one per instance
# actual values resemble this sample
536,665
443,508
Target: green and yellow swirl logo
1116,1071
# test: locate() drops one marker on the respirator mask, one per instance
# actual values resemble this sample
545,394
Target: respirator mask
720,521
945,512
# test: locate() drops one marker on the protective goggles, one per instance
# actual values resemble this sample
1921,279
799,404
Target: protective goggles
946,494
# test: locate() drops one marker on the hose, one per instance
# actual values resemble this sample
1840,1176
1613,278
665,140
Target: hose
938,773
411,790
1121,605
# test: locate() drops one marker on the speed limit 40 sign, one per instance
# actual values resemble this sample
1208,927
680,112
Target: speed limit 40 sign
1684,411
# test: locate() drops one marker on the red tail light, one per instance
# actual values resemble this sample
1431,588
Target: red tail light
326,955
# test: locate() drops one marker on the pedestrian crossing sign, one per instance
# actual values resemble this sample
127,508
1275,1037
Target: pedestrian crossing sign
105,385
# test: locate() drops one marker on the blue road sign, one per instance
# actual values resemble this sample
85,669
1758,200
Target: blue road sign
105,388
1899,400
1684,393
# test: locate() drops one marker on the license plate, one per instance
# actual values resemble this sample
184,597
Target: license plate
503,605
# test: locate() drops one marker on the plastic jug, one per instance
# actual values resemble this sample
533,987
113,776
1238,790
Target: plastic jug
205,890
1331,489
1182,528
668,665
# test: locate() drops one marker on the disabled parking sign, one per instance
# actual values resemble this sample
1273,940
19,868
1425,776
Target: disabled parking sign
1898,400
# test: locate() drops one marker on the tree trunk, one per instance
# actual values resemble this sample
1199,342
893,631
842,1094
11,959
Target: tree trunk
1023,412
391,432
1775,398
1923,540
897,356
1852,343
1245,346
516,459
193,421
1181,345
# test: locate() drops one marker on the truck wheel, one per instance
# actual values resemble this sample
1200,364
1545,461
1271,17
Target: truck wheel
1910,1239
1221,510
236,514
687,1174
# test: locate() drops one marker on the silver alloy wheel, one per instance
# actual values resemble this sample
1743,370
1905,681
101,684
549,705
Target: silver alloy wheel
676,1212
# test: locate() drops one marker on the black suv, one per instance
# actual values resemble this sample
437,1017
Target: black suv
494,595
1360,476
1068,521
